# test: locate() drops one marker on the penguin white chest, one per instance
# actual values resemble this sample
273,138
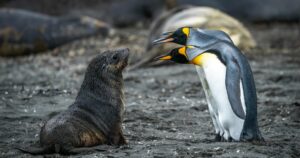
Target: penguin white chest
212,73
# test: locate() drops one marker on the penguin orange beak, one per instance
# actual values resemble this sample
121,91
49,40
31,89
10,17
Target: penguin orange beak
163,57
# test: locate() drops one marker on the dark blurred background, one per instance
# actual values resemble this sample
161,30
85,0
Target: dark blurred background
128,12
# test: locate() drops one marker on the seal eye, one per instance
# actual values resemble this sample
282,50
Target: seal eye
115,57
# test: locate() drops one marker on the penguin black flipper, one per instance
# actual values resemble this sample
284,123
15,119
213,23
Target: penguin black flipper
232,82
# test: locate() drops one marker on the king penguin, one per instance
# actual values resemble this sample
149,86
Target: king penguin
226,77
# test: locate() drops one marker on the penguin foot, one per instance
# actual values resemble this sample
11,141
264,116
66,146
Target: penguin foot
250,136
223,139
230,139
218,137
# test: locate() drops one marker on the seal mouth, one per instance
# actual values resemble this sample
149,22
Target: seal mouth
123,57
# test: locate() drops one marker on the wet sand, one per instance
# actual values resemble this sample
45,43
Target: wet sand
166,111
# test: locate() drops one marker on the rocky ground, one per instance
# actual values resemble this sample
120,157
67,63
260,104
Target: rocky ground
166,112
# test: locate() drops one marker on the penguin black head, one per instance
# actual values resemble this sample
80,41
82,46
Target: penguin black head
177,55
179,36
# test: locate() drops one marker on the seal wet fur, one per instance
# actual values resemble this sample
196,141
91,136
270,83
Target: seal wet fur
96,115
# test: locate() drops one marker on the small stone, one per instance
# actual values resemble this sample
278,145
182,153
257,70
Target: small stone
72,53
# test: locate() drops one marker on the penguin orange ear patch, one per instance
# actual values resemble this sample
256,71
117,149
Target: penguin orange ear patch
182,51
186,31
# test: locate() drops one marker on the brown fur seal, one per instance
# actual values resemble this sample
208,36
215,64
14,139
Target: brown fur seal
23,32
96,115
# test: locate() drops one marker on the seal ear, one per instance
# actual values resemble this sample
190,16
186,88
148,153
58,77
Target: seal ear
103,66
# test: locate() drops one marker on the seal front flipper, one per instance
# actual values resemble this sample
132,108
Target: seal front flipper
36,151
122,140
84,150
233,88
55,148
58,149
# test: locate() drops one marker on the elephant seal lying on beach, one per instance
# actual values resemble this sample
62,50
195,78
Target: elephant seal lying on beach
96,115
23,32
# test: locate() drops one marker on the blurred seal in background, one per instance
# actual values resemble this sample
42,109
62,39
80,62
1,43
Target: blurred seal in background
23,32
124,13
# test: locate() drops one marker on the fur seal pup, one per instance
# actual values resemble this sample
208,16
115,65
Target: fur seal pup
23,32
96,115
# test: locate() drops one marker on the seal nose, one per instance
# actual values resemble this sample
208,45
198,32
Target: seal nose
124,53
126,50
